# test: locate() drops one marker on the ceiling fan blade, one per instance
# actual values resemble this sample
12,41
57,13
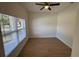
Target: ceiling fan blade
42,8
55,4
49,8
39,4
46,3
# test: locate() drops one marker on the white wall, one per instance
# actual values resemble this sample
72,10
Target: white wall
75,49
66,25
42,25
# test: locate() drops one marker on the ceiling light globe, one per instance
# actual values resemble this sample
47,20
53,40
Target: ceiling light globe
46,7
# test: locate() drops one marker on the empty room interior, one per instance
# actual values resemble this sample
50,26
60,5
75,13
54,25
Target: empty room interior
39,29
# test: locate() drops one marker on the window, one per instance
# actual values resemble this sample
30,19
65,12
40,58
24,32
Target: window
13,31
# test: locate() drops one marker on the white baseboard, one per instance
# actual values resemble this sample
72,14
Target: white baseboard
64,42
43,37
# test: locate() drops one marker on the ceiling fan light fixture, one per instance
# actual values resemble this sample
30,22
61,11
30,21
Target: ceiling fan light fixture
46,7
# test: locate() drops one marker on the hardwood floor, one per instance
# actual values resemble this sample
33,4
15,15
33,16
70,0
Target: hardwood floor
45,47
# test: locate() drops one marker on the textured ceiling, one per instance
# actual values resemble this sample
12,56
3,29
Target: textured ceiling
31,7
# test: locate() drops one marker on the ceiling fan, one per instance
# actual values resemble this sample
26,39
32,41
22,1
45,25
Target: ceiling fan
47,5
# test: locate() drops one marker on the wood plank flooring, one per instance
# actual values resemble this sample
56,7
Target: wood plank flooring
45,47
